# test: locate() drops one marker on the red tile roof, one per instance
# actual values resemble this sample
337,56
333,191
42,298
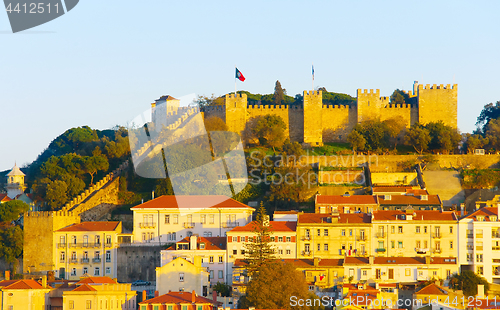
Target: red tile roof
84,288
4,198
201,202
486,212
409,200
432,289
211,243
92,226
300,263
345,200
177,298
274,226
417,215
96,280
286,212
393,189
311,218
368,297
20,284
399,260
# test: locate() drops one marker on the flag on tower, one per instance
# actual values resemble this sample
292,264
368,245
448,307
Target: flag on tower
313,71
239,75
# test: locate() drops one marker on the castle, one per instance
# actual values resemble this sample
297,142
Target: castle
314,123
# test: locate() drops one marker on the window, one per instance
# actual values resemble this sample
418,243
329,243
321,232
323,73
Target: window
108,270
211,260
381,244
85,240
280,239
425,229
400,244
308,234
342,232
306,247
288,252
97,239
272,239
181,277
221,259
350,232
400,229
451,229
108,256
235,239
365,272
479,258
319,247
211,274
417,244
451,245
72,304
425,244
319,232
392,229
73,256
199,308
479,233
470,257
144,237
325,232
325,246
73,271
221,274
167,219
202,246
88,304
417,229
96,271
480,270
97,254
62,240
203,218
242,239
235,252
393,244
62,257
176,219
211,219
169,307
85,270
407,272
108,239
184,307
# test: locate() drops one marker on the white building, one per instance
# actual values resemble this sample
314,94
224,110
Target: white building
479,243
161,220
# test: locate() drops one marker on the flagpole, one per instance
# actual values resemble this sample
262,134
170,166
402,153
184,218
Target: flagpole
312,82
235,82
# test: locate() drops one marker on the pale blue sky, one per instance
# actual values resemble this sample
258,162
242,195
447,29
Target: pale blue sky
105,61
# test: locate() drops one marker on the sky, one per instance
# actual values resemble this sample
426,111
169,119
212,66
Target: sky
104,62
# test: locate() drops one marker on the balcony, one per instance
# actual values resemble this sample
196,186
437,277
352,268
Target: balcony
495,235
479,247
84,260
147,225
84,245
438,251
421,250
495,248
470,236
479,235
73,261
380,235
380,250
188,225
108,245
108,260
436,235
306,238
306,253
61,245
96,260
470,248
230,224
361,238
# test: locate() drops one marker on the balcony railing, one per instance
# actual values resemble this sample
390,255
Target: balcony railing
108,245
230,224
495,235
380,235
380,250
84,245
470,236
188,224
306,238
479,235
108,260
61,245
147,225
495,248
361,238
85,260
421,250
436,235
96,260
73,260
479,247
470,248
306,253
436,251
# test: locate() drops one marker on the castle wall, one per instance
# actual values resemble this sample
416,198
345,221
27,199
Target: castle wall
38,250
254,112
399,112
338,121
217,111
313,120
236,114
437,103
369,104
296,123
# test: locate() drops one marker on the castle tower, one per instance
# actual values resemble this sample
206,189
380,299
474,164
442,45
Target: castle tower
369,104
437,103
162,108
236,112
15,182
313,123
39,248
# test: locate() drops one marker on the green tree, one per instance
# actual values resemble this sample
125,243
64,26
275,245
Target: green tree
475,141
490,112
467,281
444,138
258,249
11,244
11,210
275,286
356,140
93,164
223,289
418,137
292,153
56,194
270,130
214,123
399,97
279,94
205,101
492,134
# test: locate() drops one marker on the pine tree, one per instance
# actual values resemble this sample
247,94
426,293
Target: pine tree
258,249
279,94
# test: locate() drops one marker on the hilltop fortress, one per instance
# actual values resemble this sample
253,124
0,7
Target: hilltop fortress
314,123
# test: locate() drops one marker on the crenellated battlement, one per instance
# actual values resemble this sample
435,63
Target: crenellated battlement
48,214
312,93
267,107
337,106
368,92
238,96
398,106
435,86
218,108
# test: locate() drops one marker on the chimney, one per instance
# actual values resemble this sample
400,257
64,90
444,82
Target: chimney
214,297
7,274
144,295
193,297
157,293
44,281
462,207
193,245
480,291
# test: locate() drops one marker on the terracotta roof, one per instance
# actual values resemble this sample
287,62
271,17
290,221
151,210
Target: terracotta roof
96,280
432,289
400,260
15,171
84,288
4,198
286,212
176,298
409,200
193,201
393,189
368,296
20,284
343,218
351,199
417,192
486,212
417,215
487,303
91,226
274,226
211,243
166,97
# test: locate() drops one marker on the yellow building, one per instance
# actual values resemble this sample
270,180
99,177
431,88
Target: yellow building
24,294
333,236
335,204
414,233
320,273
93,293
440,297
88,248
179,301
183,276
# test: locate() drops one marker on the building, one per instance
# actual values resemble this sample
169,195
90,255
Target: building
315,122
184,276
399,269
414,233
283,239
398,190
161,220
333,236
24,294
178,301
335,204
97,293
439,297
211,250
479,243
320,273
87,248
15,182
417,202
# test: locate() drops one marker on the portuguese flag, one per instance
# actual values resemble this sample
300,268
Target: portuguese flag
239,75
